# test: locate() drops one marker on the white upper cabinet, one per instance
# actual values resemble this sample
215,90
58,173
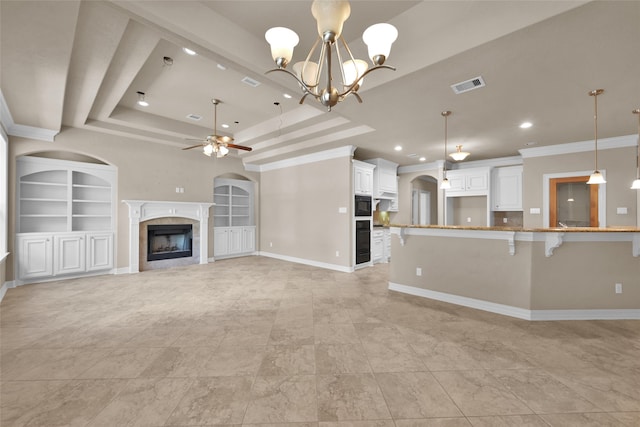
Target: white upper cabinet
506,188
468,182
385,179
362,178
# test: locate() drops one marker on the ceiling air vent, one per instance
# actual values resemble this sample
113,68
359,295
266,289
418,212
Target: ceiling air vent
194,117
466,86
251,82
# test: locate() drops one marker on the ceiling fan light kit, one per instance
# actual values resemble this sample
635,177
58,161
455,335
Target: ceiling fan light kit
218,144
330,16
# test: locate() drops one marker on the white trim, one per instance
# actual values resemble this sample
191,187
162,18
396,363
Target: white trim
122,270
346,151
517,312
602,195
580,147
492,163
421,167
492,307
4,256
13,129
307,262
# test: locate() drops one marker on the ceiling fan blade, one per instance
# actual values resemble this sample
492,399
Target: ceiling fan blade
193,146
239,147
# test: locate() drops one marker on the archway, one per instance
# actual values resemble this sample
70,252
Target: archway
424,200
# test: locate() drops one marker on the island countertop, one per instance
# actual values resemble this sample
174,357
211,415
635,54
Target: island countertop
526,230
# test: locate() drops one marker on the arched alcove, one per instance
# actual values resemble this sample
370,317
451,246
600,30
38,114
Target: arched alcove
424,200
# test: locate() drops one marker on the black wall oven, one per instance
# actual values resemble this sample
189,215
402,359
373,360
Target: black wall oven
362,206
363,241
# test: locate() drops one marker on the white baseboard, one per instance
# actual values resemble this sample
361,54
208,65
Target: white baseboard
122,270
312,263
5,287
517,312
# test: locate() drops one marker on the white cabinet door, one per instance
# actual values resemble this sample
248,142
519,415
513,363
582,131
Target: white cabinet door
35,256
377,246
235,240
220,241
457,181
99,251
507,189
69,254
387,245
388,182
249,239
477,181
362,180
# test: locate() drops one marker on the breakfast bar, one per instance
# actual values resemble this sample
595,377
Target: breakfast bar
535,274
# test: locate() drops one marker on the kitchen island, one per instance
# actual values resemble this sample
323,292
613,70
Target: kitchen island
533,274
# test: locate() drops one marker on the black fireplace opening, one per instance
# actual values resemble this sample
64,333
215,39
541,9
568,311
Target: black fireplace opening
169,241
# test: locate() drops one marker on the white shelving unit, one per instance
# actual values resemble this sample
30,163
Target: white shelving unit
233,220
65,217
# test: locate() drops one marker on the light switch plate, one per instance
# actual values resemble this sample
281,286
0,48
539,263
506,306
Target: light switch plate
535,211
621,211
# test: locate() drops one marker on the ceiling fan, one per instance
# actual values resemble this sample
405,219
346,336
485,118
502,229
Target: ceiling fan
218,144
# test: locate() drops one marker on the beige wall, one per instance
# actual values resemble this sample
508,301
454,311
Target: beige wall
299,211
146,171
474,207
620,167
583,276
578,276
473,268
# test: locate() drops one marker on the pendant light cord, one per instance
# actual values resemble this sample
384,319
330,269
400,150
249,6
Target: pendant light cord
595,124
637,111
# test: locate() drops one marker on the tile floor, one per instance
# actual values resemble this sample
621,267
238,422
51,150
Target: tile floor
257,341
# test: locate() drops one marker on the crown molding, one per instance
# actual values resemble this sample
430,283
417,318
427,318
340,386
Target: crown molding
421,167
494,163
9,127
334,153
580,146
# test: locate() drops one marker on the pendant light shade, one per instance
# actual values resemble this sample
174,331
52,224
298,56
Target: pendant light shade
596,177
445,184
459,155
635,185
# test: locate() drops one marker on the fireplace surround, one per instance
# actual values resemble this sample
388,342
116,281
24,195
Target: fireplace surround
146,210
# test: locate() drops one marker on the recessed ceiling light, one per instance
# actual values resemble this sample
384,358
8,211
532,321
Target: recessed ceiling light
221,67
286,95
422,159
398,148
224,125
189,51
525,125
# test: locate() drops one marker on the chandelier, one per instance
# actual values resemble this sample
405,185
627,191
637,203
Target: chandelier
330,16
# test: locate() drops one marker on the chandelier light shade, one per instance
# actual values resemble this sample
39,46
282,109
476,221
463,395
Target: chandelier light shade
596,177
635,185
445,184
330,17
459,155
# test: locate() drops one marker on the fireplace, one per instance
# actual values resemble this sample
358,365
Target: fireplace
168,241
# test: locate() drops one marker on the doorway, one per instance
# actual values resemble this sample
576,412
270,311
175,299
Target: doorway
573,202
423,200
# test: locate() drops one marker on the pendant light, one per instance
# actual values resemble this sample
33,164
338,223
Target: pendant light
459,155
636,182
596,177
445,184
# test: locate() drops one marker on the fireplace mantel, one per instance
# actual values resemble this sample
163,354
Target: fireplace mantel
144,210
